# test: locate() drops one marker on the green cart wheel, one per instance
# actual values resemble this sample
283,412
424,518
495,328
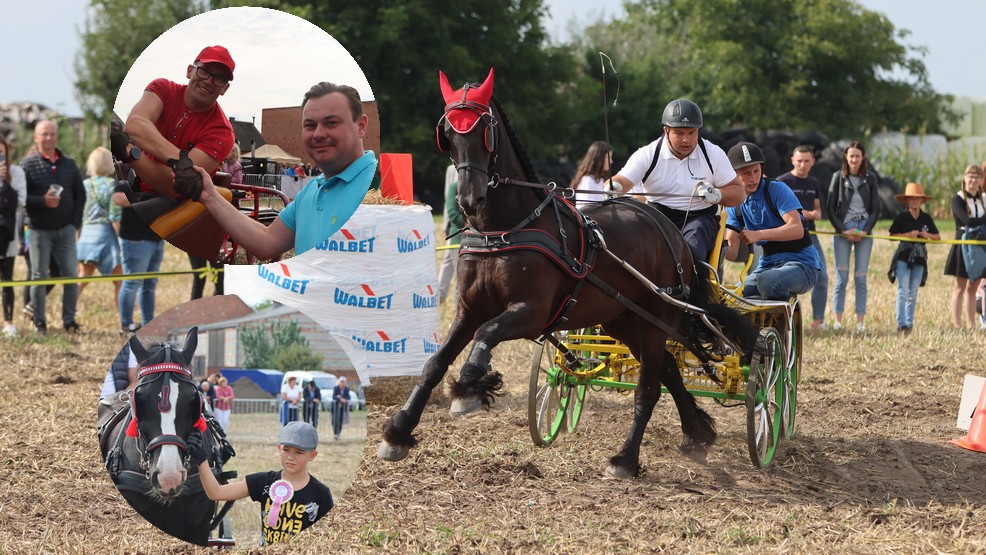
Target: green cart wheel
792,377
554,400
764,397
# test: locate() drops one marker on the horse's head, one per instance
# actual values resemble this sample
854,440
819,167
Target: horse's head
166,406
468,132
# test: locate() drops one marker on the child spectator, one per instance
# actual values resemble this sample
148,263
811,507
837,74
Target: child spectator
310,499
910,263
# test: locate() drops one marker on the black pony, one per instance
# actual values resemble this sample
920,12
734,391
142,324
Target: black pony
142,439
531,264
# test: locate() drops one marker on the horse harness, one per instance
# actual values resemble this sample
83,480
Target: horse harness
590,239
580,265
140,483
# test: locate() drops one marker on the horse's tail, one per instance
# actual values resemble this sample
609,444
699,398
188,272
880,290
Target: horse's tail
733,324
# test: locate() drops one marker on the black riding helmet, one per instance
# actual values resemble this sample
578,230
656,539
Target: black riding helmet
745,154
682,113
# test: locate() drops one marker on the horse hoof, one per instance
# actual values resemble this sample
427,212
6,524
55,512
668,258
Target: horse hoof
696,453
465,405
392,453
620,473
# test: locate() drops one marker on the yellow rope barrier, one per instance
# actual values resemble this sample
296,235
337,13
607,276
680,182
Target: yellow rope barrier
908,239
208,272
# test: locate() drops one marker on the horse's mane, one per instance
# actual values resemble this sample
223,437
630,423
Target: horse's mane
158,352
521,153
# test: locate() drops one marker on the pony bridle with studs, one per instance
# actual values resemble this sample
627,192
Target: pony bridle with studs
161,371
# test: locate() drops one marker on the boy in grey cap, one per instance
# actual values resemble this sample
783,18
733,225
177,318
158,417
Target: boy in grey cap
311,499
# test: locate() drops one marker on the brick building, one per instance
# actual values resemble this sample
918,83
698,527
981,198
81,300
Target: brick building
282,127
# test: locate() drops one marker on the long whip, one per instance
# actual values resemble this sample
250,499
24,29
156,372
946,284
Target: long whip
603,58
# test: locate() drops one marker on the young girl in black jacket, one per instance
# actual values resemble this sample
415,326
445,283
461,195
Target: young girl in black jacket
853,206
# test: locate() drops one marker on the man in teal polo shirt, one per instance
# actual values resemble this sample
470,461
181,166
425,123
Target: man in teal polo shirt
333,125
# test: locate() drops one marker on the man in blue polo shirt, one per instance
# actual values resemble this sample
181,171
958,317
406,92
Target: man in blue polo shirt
771,217
333,125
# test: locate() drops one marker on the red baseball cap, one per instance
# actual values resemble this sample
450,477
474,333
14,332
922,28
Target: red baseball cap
217,54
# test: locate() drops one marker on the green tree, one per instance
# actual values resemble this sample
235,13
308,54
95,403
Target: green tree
296,357
113,36
257,349
637,84
402,44
829,65
280,345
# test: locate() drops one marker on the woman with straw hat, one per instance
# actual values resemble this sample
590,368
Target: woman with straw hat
910,264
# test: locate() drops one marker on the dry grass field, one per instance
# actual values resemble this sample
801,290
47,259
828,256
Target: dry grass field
870,470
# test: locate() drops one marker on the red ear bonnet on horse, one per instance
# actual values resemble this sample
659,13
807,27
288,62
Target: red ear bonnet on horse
464,120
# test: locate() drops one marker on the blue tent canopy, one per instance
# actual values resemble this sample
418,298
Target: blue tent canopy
268,380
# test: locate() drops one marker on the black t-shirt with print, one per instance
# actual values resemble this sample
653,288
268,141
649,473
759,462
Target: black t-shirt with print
905,222
305,507
806,189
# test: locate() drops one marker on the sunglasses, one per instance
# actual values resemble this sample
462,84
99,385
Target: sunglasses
218,79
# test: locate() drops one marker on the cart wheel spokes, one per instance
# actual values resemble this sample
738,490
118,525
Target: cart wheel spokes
764,397
791,379
545,412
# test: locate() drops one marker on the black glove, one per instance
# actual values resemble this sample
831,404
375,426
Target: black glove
196,448
118,139
188,182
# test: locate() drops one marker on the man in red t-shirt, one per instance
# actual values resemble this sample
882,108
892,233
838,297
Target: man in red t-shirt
171,118
171,129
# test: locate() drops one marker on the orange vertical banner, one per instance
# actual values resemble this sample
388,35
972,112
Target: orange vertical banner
395,177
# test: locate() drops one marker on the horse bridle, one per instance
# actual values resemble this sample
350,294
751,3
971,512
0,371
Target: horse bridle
160,371
485,114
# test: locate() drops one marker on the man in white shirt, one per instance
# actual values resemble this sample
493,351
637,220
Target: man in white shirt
684,182
291,394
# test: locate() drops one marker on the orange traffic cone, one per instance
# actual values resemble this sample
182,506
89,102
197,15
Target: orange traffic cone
975,440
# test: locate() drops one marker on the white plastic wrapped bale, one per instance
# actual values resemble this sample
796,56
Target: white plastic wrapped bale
373,283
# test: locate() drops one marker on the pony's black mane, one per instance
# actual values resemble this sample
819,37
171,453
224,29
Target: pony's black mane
522,157
158,352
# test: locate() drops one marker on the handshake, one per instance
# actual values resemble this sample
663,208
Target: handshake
188,182
708,192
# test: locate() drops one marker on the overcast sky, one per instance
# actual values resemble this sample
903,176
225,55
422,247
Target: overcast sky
265,76
39,52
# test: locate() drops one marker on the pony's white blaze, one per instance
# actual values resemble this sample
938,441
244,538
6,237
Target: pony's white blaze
171,471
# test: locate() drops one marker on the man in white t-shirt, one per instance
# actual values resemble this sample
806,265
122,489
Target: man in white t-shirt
684,182
291,394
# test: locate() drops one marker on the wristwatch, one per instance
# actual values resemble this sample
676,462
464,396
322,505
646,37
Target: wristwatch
134,153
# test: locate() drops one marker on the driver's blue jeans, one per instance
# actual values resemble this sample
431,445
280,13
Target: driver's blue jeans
781,281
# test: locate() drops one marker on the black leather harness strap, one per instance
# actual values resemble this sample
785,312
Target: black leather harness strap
667,229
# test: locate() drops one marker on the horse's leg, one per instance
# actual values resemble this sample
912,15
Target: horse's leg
650,351
397,432
696,424
478,384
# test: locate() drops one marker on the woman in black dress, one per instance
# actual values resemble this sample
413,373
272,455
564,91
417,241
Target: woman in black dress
968,209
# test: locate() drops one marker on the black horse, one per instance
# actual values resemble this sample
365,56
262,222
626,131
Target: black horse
142,439
531,264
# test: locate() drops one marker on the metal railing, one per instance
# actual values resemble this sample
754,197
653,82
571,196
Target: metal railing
262,180
273,406
259,420
250,406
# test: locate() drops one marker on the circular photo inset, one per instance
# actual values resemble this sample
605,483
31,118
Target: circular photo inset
236,150
222,423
